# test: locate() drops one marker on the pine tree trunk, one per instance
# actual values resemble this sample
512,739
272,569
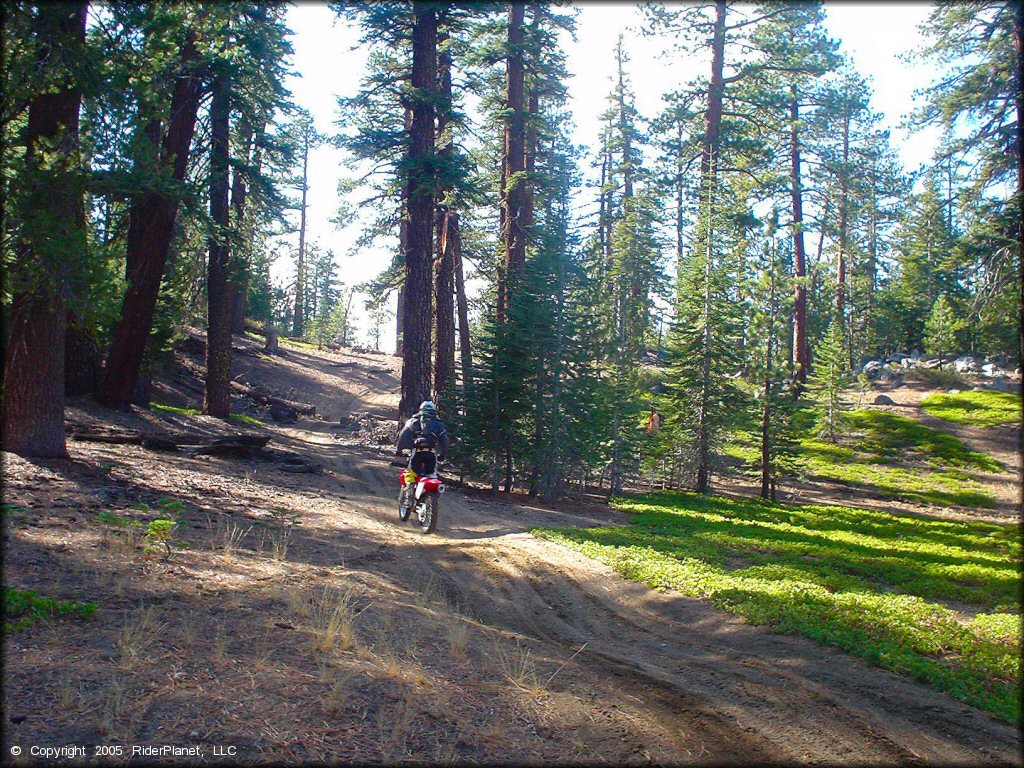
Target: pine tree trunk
400,314
151,220
1018,95
299,315
52,235
799,254
81,359
444,313
218,293
444,270
239,193
843,216
420,196
767,482
465,351
709,173
515,192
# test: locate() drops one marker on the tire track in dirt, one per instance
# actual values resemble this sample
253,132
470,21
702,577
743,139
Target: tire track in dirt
698,684
705,681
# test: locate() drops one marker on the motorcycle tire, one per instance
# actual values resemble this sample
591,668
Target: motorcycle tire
404,509
426,513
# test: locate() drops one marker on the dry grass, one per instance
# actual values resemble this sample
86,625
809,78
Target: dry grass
520,670
138,633
333,620
457,633
230,536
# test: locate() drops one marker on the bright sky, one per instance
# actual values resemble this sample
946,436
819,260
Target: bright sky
874,35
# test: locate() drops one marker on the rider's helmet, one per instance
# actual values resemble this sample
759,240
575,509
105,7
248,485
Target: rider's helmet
428,407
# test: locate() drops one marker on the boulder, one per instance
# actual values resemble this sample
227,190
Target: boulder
872,367
953,392
992,370
884,400
933,363
897,357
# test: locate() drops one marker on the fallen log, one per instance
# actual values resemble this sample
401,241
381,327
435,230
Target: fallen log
236,445
262,398
241,444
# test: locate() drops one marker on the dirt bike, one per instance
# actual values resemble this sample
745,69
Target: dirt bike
421,487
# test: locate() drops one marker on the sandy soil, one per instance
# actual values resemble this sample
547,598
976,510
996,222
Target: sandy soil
477,643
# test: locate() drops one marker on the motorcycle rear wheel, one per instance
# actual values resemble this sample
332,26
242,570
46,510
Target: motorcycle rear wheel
426,513
404,508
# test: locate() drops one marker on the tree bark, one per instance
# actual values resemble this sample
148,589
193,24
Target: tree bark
465,350
298,317
52,236
150,230
444,271
709,173
799,254
843,223
420,207
81,358
239,199
1018,95
218,336
444,312
514,160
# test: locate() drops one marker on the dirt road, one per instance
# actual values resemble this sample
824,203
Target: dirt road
549,657
697,684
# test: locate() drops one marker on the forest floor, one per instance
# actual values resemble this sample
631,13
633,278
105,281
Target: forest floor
302,622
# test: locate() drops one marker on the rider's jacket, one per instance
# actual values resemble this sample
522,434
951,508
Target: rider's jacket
423,425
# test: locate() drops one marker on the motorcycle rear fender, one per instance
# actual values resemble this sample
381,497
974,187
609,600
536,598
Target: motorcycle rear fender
428,485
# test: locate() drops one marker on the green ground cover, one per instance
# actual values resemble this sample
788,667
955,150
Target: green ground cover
24,607
868,582
871,456
239,418
982,409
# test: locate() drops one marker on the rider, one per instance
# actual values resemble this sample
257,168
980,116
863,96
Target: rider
424,423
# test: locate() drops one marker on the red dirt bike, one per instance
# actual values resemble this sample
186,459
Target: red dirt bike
421,487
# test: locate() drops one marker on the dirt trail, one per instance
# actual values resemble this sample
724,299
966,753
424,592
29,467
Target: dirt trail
628,675
707,682
707,686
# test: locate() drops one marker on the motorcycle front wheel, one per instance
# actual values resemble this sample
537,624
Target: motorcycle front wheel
404,507
426,513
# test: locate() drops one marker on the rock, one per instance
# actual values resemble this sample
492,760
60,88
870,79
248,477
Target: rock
992,370
908,362
898,357
953,392
872,367
933,363
884,400
966,364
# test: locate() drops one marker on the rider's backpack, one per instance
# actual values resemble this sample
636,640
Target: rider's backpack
426,437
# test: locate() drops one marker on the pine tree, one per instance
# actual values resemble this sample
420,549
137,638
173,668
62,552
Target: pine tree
825,386
50,207
940,329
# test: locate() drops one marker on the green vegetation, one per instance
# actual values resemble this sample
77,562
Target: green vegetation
867,458
887,434
239,418
23,607
982,409
868,582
